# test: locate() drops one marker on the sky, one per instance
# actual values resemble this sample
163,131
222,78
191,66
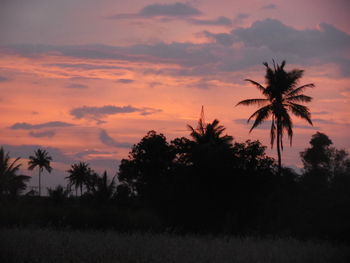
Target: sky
87,79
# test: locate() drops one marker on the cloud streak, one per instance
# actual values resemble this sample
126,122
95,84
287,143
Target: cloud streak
99,113
76,86
174,10
3,79
28,126
219,21
109,141
47,134
257,43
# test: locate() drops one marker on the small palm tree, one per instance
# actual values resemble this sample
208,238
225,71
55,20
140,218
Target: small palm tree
41,159
10,182
209,133
282,95
79,175
103,189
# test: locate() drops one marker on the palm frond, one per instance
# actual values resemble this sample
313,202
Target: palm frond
294,76
297,91
300,111
257,84
272,131
260,115
287,124
299,98
252,102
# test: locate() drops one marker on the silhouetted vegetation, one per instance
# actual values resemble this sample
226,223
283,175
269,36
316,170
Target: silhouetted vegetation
207,183
41,159
11,183
282,95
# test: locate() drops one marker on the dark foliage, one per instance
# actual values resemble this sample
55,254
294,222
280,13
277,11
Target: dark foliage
206,183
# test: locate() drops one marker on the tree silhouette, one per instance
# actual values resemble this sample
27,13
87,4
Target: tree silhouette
205,164
79,175
41,159
208,144
102,189
11,183
209,133
318,157
58,194
322,160
281,96
148,165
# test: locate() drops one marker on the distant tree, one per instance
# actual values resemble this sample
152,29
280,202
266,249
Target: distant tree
42,160
318,156
205,164
209,143
251,156
209,133
148,165
102,188
123,194
282,95
323,160
79,175
58,194
10,182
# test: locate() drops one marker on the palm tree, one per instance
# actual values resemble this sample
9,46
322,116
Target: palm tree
79,175
209,133
282,95
10,182
41,159
103,189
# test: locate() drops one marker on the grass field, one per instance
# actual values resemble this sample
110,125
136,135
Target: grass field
46,245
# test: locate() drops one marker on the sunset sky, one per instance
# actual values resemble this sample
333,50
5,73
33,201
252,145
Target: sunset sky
87,79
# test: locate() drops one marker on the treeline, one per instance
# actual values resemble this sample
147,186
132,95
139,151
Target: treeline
205,183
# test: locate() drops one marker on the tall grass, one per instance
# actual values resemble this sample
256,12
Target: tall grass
46,245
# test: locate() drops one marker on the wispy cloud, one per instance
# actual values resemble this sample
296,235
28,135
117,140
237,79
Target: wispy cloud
161,10
3,79
219,21
109,141
99,113
125,81
76,86
320,112
47,134
28,126
84,66
87,153
269,6
259,42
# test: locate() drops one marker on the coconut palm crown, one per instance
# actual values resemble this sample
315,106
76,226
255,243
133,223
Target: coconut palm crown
79,175
209,132
41,159
282,96
10,182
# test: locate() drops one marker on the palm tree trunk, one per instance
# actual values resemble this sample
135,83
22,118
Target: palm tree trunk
279,149
39,181
81,190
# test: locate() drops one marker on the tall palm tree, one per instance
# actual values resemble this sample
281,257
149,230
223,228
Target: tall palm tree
282,95
10,182
42,159
79,175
